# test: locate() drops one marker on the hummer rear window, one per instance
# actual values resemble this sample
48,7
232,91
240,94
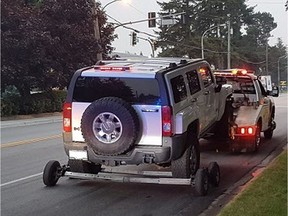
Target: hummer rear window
132,90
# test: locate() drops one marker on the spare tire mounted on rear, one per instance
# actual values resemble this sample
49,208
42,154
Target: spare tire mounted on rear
110,126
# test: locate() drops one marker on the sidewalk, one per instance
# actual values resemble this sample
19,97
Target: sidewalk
23,120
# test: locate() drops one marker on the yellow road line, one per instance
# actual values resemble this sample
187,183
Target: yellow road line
11,144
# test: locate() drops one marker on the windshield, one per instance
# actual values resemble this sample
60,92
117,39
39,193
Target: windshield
241,85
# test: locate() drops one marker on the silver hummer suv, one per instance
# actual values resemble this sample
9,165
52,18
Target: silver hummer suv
154,110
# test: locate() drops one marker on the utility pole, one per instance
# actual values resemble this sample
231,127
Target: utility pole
97,30
267,57
228,45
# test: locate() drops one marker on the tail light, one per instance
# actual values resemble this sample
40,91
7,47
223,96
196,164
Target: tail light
247,130
67,114
166,121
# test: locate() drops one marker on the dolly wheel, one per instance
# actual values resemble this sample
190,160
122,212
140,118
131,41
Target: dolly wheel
214,174
51,173
201,182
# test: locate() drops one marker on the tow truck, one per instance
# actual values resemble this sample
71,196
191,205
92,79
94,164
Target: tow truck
250,111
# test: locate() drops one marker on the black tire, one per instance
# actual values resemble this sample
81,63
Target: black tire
83,166
268,134
188,163
256,141
201,182
214,174
257,138
110,126
51,173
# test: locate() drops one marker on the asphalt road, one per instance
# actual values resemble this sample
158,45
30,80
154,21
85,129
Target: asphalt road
26,148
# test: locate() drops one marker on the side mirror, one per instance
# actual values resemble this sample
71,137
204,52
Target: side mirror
274,92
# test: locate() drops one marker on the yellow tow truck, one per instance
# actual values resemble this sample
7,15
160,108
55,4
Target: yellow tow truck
249,112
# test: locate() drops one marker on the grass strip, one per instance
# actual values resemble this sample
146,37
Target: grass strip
265,195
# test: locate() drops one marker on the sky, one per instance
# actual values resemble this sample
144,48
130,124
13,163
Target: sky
134,10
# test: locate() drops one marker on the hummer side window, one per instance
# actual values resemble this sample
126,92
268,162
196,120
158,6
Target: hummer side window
179,89
206,75
193,81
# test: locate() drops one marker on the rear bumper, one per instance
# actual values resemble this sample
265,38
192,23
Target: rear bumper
242,143
172,148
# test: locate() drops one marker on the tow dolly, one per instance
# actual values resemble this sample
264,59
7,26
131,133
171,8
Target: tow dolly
200,181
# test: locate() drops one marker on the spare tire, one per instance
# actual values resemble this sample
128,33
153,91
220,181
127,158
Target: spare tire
110,126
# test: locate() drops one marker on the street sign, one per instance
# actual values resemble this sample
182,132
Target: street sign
283,83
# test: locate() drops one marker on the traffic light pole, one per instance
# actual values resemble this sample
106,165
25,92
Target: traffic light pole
151,44
145,20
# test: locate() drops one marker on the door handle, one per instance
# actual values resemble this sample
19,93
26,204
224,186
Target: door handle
193,100
207,92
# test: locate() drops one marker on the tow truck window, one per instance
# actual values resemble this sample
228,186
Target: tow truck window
263,91
242,85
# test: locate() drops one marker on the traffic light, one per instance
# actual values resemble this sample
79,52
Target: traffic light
151,19
134,38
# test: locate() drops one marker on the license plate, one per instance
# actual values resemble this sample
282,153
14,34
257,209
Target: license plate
79,155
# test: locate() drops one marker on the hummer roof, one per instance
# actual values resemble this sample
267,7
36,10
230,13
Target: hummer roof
139,67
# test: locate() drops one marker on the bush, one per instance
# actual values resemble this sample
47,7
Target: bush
10,101
44,102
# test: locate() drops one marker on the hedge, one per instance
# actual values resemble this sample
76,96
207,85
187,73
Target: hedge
36,103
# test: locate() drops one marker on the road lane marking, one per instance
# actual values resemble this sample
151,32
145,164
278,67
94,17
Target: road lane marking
21,179
11,144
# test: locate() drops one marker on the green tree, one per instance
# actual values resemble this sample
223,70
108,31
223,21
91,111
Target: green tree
277,58
44,42
200,16
250,32
251,47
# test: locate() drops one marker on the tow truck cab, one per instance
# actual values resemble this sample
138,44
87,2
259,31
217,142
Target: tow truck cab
252,111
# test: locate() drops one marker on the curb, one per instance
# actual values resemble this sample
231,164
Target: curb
30,121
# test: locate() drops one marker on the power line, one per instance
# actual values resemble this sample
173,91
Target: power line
180,44
141,12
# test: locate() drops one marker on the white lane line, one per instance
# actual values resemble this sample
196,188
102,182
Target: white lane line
21,179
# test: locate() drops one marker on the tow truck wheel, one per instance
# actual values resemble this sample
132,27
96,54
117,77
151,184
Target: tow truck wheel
51,173
268,133
257,138
201,182
214,174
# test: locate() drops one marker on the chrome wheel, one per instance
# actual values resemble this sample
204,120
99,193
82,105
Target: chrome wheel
107,127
